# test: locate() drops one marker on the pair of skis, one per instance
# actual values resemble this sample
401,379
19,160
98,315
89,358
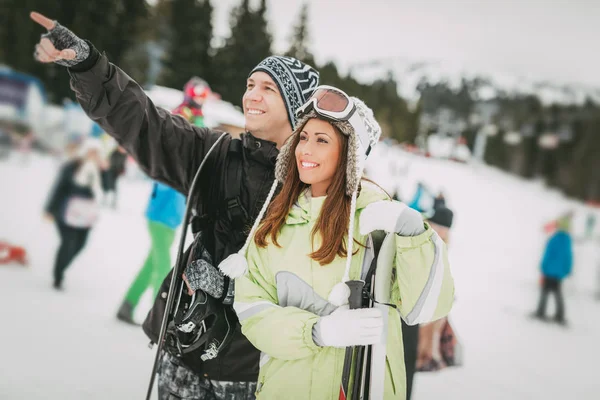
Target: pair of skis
363,376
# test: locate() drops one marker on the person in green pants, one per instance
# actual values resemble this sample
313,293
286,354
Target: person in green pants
165,213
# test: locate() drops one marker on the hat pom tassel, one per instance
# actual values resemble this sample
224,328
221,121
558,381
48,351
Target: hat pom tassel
234,266
339,294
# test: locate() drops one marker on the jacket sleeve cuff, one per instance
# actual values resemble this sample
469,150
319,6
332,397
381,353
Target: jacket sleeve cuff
308,333
409,242
89,62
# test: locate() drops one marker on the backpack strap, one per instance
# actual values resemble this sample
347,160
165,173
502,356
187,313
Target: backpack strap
232,207
204,204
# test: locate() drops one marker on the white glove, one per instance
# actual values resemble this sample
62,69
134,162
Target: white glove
392,217
344,327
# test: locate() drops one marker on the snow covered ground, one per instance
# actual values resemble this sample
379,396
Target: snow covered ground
70,346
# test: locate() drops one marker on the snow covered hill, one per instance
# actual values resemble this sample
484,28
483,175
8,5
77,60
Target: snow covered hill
408,74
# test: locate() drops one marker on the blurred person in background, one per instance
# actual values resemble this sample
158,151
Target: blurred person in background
556,265
116,163
73,204
25,145
437,342
422,343
590,225
6,143
275,88
439,202
71,148
422,199
195,93
10,253
164,214
598,278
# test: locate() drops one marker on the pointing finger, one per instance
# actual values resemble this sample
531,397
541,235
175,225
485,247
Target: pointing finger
42,20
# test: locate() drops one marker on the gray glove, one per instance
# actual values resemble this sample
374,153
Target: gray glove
392,217
203,276
62,39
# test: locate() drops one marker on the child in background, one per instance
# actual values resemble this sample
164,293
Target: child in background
557,263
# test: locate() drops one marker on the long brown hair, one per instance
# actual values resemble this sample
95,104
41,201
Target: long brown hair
332,224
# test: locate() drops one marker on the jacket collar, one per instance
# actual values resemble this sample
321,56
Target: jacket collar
260,150
306,208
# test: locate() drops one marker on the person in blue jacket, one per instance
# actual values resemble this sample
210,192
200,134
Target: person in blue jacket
423,199
164,213
556,265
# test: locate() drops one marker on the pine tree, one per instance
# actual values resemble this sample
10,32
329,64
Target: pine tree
249,43
4,26
18,36
188,46
330,74
133,29
97,21
136,61
156,34
299,39
263,37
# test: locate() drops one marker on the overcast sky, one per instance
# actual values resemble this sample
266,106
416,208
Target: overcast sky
547,40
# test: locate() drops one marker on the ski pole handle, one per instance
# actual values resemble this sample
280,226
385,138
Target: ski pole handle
356,294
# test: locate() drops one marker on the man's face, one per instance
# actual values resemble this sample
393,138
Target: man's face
264,108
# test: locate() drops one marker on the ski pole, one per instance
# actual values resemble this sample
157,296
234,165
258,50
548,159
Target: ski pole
354,302
362,374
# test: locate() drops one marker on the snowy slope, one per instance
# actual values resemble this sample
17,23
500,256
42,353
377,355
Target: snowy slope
495,248
69,345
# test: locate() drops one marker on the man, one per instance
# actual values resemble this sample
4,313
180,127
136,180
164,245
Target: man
170,150
117,162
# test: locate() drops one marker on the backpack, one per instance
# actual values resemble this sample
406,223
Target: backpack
230,165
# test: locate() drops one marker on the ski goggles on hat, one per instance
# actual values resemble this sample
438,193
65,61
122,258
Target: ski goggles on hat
333,104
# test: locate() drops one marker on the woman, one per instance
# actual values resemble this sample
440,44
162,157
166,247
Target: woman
299,255
73,205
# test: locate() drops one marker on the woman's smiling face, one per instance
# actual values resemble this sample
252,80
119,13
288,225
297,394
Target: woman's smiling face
318,155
